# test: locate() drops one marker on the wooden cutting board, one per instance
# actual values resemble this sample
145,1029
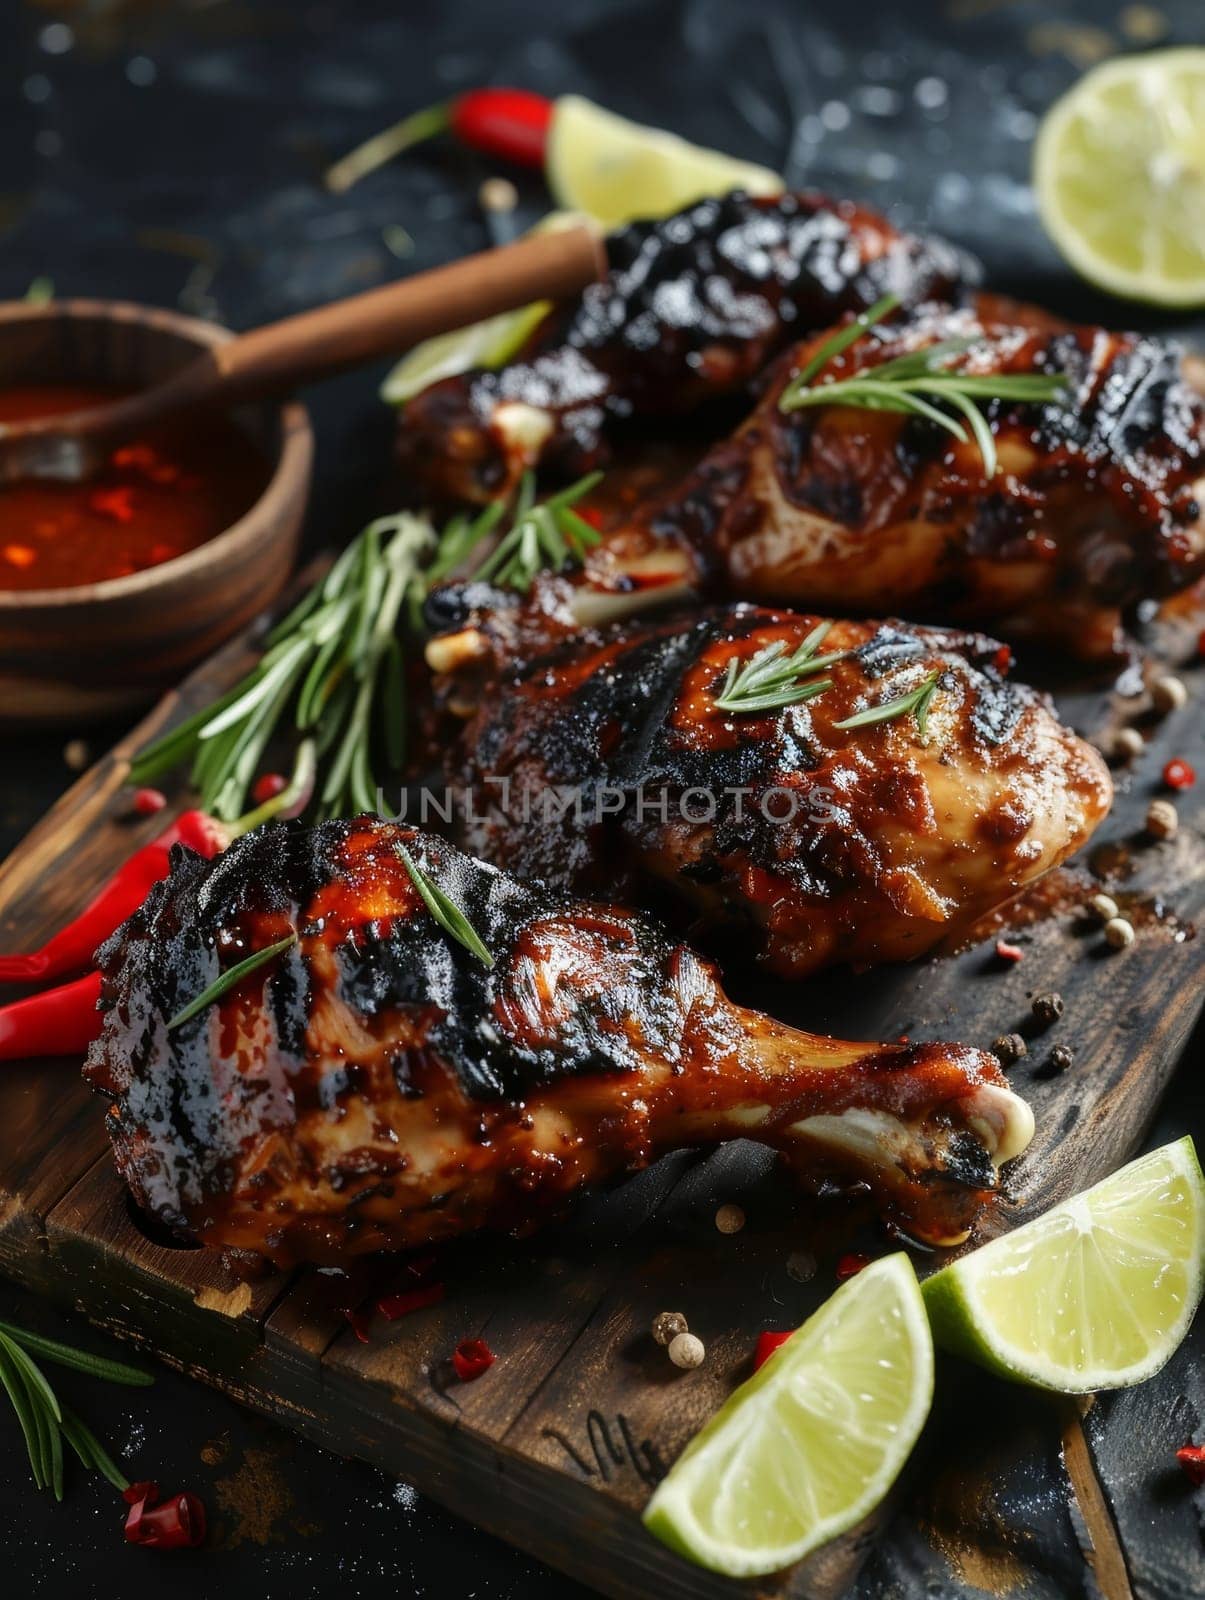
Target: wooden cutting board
556,1447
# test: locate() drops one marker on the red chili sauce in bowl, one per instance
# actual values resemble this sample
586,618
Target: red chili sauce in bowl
156,497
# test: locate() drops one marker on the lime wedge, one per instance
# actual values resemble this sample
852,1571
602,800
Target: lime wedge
814,1440
617,170
1119,171
1096,1294
489,343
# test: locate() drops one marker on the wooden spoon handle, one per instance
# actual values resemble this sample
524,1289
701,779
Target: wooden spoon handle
548,266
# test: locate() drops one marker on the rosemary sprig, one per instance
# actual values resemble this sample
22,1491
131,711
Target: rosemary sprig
333,670
771,679
445,910
228,979
919,384
45,1421
917,700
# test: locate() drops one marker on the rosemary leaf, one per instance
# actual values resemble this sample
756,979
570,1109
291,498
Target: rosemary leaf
14,1387
445,910
228,979
67,1356
90,1450
917,700
844,337
771,679
40,1392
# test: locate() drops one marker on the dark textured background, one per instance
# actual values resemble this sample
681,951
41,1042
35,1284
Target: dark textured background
169,151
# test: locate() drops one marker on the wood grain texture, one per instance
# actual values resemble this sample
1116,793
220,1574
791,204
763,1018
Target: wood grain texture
556,1448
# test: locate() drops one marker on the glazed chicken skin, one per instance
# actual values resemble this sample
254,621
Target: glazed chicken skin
693,309
1098,501
780,832
376,1087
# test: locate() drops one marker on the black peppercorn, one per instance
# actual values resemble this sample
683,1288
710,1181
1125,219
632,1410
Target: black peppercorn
1048,1007
1008,1048
1061,1057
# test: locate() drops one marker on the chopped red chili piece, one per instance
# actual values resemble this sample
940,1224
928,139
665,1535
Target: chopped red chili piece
1008,952
357,1321
177,1523
147,801
393,1306
471,1358
1192,1462
850,1265
1003,659
767,1343
147,1490
116,503
268,787
1178,774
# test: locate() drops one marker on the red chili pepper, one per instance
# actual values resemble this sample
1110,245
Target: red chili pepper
1192,1462
767,1343
393,1306
147,1490
57,1022
1008,952
177,1523
512,124
1178,774
268,787
850,1265
471,1358
147,801
74,946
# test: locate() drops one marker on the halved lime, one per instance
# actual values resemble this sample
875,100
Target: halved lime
616,170
1119,172
813,1440
489,343
1096,1294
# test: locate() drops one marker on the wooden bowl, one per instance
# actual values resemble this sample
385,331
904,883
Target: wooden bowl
70,655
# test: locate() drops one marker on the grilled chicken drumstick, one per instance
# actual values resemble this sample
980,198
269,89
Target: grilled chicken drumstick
694,308
606,765
1098,501
375,1086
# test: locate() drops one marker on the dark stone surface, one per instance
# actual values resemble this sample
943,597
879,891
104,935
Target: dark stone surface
169,152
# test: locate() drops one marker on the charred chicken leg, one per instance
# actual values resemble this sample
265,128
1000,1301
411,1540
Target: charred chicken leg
375,1086
606,765
1098,501
693,309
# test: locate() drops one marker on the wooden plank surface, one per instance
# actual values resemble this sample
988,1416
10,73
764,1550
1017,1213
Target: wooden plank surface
557,1448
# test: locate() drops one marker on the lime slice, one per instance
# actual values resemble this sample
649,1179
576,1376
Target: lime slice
814,1440
1119,170
1096,1294
489,343
616,170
